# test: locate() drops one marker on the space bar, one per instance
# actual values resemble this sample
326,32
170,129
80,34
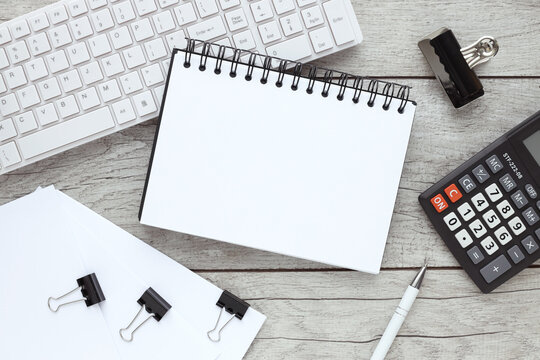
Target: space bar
66,132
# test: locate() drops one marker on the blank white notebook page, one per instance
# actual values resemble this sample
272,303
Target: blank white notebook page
275,169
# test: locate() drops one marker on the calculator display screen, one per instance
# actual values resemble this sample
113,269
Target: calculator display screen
532,143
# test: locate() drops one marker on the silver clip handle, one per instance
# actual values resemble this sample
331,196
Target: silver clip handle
481,51
54,299
129,338
215,329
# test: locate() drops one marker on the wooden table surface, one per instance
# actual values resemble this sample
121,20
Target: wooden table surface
319,312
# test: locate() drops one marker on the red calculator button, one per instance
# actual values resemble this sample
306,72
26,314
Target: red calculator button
439,203
453,193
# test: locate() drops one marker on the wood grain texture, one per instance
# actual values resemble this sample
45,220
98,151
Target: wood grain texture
317,312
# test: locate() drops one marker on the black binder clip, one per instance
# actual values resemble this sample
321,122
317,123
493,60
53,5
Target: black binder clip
234,306
453,65
90,290
154,305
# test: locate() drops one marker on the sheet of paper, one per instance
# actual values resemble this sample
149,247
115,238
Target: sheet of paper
275,169
192,297
39,259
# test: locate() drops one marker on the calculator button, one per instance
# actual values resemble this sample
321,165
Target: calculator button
467,183
480,173
493,192
479,201
529,244
477,228
463,237
494,164
503,235
491,219
507,182
496,268
489,245
516,225
475,254
519,199
439,203
466,211
505,209
531,217
530,190
453,193
452,221
515,254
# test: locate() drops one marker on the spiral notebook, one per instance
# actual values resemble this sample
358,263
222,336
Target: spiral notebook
278,156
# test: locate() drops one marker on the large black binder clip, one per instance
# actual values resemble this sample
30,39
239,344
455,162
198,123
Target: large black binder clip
90,290
234,306
154,305
453,65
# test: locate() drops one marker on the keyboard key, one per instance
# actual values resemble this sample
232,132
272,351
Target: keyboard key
321,39
113,65
77,7
124,111
185,14
530,216
208,29
466,211
46,114
57,61
496,268
60,36
18,52
70,81
49,89
155,49
3,87
96,4
305,2
99,45
282,6
206,7
505,209
494,164
479,202
8,105
236,19
81,28
134,57
480,173
39,22
159,91
102,20
339,21
291,24
5,36
66,132
177,40
15,77
451,191
152,75
131,83
503,235
121,37
145,7
9,155
515,254
269,32
475,255
58,14
452,221
261,10
39,44
493,192
478,229
463,237
91,73
4,63
293,49
491,219
163,22
36,69
244,40
519,199
225,42
142,29
123,12
20,29
28,96
78,53
516,225
166,3
312,17
507,182
529,188
109,90
467,183
144,103
530,244
489,245
88,98
26,122
7,129
67,106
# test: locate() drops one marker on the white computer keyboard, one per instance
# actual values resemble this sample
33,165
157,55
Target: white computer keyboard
78,70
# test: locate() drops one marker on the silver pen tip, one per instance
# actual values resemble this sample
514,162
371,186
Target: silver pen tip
417,281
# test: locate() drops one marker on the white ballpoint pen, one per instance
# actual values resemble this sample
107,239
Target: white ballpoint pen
399,316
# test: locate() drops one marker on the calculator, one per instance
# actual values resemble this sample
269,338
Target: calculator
487,210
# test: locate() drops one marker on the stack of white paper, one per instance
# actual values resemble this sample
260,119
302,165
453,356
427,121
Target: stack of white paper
49,240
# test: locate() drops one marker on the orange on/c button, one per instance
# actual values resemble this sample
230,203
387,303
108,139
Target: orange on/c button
439,203
453,193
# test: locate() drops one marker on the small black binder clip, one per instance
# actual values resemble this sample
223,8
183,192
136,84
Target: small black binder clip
234,306
154,305
90,290
453,65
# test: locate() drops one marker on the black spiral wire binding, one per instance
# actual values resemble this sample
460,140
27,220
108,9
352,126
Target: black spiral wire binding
328,79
